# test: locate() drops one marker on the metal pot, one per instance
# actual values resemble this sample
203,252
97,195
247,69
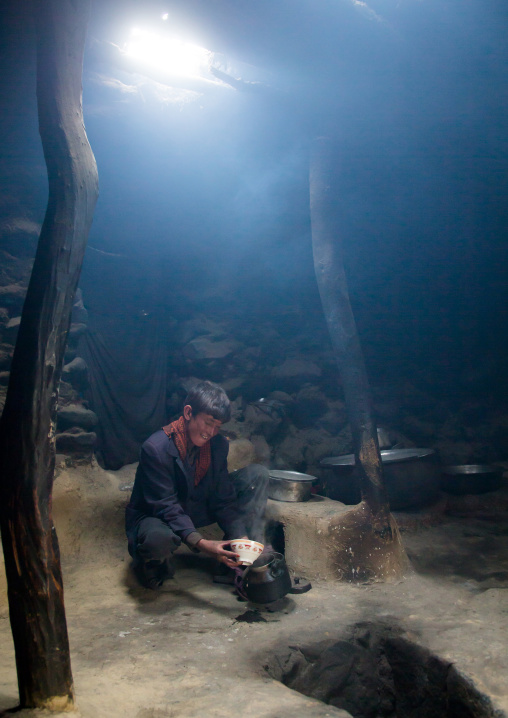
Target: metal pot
471,479
411,478
268,579
290,485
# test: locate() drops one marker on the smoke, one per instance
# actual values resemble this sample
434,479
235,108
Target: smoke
251,485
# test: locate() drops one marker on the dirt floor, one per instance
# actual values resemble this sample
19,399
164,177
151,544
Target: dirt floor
189,651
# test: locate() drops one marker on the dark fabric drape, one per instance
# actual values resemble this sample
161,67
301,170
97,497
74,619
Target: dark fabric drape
126,349
127,385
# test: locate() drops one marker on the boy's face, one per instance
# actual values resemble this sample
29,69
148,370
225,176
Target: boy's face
200,428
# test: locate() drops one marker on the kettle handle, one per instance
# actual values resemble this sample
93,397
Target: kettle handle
277,567
298,587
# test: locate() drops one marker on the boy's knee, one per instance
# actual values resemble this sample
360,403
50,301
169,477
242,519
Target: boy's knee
158,544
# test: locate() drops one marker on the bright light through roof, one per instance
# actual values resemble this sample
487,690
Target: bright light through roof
166,53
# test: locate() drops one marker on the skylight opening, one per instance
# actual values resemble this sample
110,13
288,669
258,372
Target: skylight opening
167,54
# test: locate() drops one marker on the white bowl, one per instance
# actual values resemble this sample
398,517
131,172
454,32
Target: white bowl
247,550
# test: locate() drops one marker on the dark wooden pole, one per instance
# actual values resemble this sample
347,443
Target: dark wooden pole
333,289
27,445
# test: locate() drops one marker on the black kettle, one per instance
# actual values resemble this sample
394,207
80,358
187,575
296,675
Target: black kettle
268,580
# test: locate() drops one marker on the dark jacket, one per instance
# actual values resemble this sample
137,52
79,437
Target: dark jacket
165,490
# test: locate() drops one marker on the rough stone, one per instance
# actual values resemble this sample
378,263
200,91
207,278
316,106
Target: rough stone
296,369
241,453
310,403
6,351
235,429
289,454
12,296
76,366
10,331
79,443
423,430
76,415
70,352
263,451
262,418
187,382
76,331
198,327
332,421
207,348
281,396
20,233
301,447
319,445
79,313
67,394
343,442
76,372
233,385
455,452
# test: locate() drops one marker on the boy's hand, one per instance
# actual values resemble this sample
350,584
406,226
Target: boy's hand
217,550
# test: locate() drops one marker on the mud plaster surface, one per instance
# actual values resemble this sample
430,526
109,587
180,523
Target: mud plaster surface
182,653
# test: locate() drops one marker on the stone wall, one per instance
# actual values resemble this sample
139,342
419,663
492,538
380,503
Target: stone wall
75,436
277,368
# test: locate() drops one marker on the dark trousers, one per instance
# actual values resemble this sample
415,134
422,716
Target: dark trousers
156,541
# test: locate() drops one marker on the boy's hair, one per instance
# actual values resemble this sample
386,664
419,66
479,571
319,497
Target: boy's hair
209,398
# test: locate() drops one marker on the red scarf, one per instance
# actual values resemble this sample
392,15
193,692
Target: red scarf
177,431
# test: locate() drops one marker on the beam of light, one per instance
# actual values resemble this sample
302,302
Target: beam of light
168,54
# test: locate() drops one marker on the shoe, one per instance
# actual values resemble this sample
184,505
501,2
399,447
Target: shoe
152,574
146,574
167,569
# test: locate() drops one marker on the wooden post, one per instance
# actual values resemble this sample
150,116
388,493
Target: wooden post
372,523
27,445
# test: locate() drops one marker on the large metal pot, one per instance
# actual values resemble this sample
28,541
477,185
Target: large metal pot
411,478
290,485
471,479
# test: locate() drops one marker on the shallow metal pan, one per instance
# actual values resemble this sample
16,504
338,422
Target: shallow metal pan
290,485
